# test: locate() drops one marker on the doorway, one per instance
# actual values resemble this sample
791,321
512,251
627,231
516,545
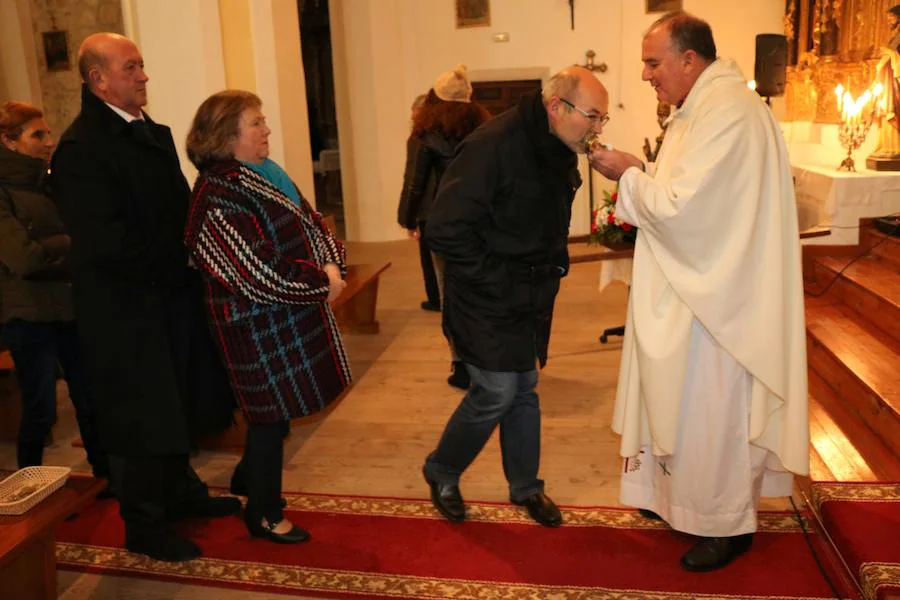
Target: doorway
315,44
497,96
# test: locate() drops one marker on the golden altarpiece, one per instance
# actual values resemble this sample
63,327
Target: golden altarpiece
833,42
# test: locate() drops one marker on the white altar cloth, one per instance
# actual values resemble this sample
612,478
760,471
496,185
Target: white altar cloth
836,199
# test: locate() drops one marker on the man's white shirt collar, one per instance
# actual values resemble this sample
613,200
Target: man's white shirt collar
128,117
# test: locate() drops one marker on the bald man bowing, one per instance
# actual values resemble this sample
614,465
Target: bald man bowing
124,200
501,222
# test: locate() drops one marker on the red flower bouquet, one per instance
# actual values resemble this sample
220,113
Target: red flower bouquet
606,229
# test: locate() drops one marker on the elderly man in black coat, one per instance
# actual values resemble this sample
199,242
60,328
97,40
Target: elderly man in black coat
501,221
124,200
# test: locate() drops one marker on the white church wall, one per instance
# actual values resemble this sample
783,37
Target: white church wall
388,51
393,50
18,60
182,57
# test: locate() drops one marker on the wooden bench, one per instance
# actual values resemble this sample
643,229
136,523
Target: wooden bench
354,309
28,544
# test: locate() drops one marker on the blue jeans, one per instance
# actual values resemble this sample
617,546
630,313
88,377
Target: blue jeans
507,399
36,347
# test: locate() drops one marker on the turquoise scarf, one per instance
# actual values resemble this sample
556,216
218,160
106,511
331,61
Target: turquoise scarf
274,174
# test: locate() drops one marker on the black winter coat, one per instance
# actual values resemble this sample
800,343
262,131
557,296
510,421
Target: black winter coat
427,157
501,221
124,201
34,277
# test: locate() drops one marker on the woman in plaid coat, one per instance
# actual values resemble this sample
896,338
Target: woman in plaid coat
270,268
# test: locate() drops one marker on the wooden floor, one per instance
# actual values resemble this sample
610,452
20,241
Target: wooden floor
375,440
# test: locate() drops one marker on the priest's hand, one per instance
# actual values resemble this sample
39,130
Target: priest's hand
612,163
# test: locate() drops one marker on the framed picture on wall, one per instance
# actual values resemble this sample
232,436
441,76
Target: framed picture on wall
654,6
56,50
473,13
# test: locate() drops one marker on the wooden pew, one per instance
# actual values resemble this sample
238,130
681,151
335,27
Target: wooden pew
28,544
354,309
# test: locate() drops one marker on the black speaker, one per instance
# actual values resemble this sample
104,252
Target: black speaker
771,64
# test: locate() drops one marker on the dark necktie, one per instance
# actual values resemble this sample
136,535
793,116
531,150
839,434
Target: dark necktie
142,131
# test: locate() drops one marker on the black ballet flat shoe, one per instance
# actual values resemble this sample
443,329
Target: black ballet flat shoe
296,535
714,553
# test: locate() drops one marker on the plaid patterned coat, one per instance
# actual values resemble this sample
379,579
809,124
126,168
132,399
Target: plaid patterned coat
262,256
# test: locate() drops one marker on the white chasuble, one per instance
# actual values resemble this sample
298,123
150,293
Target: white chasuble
718,248
711,484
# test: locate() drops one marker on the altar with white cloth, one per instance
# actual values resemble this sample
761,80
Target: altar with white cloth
837,200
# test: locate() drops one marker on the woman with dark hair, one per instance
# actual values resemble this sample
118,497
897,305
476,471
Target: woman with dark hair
35,287
413,144
445,118
270,266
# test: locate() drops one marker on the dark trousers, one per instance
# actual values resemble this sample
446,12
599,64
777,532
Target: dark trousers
37,348
261,468
153,489
432,292
507,399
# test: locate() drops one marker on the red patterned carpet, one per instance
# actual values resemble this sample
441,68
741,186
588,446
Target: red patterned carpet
387,548
863,520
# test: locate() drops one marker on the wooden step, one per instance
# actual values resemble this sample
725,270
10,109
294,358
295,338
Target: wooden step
885,247
818,468
843,449
860,364
868,285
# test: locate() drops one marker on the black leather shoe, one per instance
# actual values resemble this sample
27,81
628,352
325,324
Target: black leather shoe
209,507
542,509
459,376
714,553
431,306
649,514
296,535
167,546
447,498
239,488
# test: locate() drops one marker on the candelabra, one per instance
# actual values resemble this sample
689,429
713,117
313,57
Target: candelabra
852,135
857,117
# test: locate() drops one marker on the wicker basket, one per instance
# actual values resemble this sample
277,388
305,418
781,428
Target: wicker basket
38,482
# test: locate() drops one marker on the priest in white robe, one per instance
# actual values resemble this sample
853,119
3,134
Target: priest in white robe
712,394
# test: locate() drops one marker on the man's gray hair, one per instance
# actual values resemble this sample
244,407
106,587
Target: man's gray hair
560,85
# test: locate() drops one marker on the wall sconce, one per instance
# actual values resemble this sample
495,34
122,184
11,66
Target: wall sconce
856,119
